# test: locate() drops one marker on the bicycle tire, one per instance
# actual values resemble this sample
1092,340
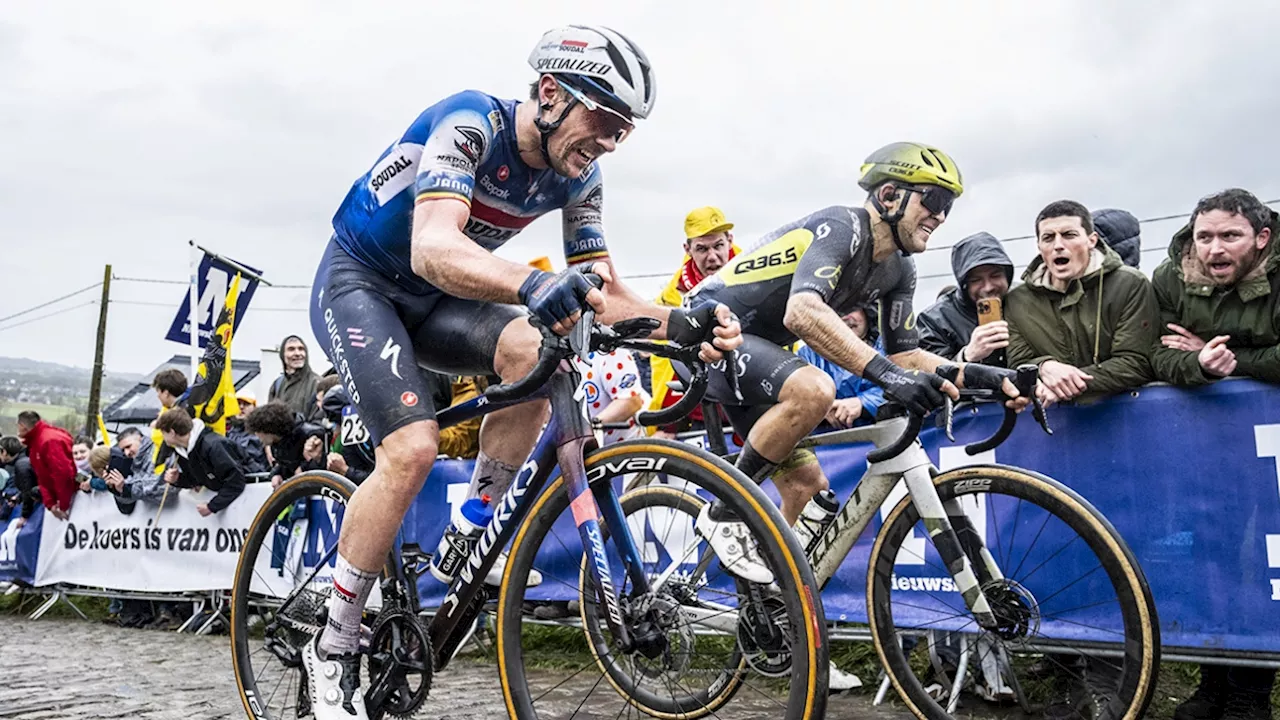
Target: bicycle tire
1137,680
807,694
308,484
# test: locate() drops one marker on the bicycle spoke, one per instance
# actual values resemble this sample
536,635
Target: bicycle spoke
588,695
1064,587
277,686
1034,540
995,526
555,687
1060,613
1023,578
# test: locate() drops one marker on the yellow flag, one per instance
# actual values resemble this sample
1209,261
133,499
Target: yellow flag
212,397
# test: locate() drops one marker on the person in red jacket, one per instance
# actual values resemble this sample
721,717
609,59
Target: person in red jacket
49,449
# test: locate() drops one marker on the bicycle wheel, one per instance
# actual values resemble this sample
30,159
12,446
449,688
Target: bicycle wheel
575,669
289,538
1076,621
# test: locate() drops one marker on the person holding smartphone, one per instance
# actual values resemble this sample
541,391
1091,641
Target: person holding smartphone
968,324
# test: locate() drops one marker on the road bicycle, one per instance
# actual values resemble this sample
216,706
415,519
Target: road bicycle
988,566
640,644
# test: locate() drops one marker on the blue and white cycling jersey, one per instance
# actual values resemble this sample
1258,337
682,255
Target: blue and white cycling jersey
464,147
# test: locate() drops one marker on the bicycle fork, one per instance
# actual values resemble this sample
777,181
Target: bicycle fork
941,521
592,500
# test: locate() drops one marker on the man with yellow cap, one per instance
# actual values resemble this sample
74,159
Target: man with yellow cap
708,247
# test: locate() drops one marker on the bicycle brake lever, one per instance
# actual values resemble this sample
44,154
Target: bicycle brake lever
580,335
948,412
1038,412
731,373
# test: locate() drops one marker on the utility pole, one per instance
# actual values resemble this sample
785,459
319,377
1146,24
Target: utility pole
95,384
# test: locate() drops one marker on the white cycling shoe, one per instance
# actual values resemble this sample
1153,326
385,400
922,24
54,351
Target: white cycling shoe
500,566
839,680
732,543
334,685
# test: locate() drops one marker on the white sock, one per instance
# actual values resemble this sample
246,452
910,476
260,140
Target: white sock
491,477
351,588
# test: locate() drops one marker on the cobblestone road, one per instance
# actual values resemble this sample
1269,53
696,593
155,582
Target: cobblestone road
73,670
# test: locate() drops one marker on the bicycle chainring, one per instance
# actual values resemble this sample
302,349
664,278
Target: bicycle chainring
400,665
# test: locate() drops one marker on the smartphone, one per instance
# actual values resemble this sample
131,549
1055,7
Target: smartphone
989,310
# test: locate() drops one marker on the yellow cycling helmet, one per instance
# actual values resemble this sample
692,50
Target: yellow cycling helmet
913,164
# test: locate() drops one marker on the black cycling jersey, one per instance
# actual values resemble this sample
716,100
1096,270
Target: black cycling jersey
828,253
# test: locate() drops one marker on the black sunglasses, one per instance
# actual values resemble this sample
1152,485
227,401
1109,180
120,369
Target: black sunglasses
936,199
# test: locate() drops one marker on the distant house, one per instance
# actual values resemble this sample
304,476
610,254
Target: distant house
139,406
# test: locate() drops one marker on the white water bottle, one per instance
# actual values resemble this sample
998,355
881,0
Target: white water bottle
814,519
460,537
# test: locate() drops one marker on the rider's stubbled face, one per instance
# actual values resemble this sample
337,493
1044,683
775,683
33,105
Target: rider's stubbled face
577,143
917,224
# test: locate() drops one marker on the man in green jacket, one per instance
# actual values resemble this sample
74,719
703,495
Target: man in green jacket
1219,296
1083,316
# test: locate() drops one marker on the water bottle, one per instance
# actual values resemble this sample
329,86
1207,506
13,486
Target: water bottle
460,537
815,518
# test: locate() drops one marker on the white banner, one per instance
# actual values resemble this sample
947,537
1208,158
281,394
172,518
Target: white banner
101,547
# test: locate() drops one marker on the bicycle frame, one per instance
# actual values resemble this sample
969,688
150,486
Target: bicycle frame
564,440
914,467
870,493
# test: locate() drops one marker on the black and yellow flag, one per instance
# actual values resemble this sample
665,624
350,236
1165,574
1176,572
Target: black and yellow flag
212,397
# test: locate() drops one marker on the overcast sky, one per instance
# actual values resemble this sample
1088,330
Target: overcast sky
129,128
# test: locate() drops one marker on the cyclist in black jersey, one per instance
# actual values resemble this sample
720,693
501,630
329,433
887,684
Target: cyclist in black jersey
796,284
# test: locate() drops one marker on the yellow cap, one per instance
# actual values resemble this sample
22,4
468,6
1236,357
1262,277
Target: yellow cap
704,221
245,396
542,263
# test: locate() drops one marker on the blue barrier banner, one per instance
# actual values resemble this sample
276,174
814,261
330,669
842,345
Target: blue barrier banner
20,546
1190,479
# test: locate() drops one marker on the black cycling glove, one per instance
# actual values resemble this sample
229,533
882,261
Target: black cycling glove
978,376
555,297
919,392
692,326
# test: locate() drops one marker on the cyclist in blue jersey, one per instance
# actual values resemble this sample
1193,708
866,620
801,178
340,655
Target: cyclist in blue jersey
409,276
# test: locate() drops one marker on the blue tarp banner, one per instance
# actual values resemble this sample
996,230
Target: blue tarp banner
20,546
1190,479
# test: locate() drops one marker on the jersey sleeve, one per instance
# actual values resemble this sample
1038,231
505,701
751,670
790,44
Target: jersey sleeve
619,375
897,316
583,225
835,240
459,141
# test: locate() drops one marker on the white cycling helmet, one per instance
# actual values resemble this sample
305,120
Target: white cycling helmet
600,61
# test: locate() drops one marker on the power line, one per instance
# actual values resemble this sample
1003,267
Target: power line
154,281
47,304
1161,218
171,305
159,281
49,315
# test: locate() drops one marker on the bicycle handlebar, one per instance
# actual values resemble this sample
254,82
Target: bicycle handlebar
1026,384
587,336
895,448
